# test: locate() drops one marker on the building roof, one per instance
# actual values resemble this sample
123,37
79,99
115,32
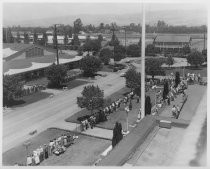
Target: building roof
172,38
24,65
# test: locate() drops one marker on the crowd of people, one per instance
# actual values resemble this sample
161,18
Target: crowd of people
56,146
97,117
28,90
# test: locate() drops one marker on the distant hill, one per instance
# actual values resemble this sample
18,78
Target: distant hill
186,17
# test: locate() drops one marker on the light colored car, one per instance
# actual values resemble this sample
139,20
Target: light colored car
122,74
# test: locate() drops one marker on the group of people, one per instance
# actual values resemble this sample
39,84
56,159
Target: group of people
90,121
175,111
56,146
28,90
194,77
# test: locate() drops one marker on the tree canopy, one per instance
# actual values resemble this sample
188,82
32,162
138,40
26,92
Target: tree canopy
170,60
90,65
133,80
153,67
117,134
177,79
77,26
92,98
92,45
195,58
12,87
26,38
56,74
134,50
105,55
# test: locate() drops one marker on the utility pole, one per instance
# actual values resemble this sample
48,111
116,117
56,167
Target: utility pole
204,41
56,42
125,42
143,64
113,30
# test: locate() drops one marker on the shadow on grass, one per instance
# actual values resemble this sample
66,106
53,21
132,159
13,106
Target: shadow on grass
26,100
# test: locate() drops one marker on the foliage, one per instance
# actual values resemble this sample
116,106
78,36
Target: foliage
105,55
134,50
153,67
18,38
186,49
75,40
177,79
77,26
170,60
117,134
35,38
165,90
56,74
92,98
92,45
12,88
26,38
195,58
100,38
114,41
90,65
204,53
148,106
65,40
133,80
151,50
119,52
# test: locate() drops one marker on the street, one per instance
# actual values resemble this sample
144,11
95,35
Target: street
18,123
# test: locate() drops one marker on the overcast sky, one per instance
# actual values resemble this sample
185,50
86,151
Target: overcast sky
27,11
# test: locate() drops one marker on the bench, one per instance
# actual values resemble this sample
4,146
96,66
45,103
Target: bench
165,124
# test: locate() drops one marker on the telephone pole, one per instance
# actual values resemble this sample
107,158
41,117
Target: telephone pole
143,64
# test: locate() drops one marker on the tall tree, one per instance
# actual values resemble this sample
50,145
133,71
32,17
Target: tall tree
56,74
35,37
12,87
153,67
18,37
92,98
77,26
90,65
195,58
105,55
165,90
148,105
133,81
26,38
117,134
177,79
75,40
65,40
170,60
134,50
44,39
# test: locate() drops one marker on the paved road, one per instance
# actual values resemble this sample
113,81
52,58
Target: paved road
45,113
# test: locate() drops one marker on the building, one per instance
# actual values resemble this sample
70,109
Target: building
30,61
171,43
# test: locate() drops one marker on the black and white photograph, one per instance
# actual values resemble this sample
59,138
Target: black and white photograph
110,83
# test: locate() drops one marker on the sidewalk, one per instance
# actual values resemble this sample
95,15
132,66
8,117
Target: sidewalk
96,131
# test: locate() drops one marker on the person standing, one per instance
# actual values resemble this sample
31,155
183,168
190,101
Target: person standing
173,111
178,110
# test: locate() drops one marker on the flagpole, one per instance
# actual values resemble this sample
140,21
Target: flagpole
143,63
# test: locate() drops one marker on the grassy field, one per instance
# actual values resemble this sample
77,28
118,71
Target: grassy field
120,115
25,100
84,151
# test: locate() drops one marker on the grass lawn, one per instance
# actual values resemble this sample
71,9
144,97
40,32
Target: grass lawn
25,100
120,115
84,151
75,83
202,70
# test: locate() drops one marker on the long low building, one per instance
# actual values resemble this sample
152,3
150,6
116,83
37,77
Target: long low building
27,60
171,43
